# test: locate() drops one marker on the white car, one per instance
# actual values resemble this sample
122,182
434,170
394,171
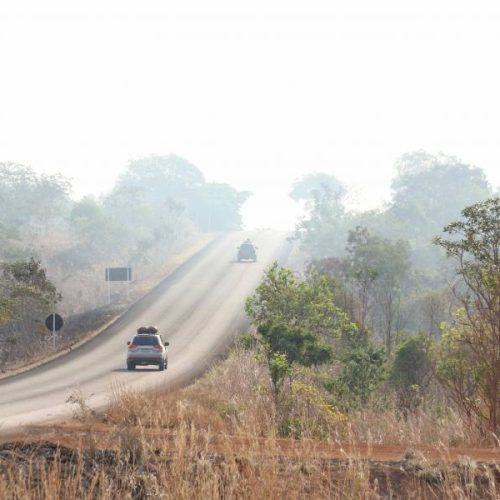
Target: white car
147,348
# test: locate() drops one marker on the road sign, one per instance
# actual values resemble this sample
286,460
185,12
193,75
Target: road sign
54,322
118,274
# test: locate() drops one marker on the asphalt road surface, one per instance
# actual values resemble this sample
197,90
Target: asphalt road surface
198,309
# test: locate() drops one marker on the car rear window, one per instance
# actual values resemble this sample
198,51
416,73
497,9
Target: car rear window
145,340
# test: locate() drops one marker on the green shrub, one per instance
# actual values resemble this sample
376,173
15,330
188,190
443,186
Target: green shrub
412,370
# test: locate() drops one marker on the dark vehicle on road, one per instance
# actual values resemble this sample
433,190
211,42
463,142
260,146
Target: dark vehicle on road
247,251
147,348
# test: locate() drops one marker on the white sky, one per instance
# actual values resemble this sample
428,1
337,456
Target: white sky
255,93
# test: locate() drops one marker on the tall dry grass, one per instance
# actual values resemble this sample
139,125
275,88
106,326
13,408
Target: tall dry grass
236,397
188,464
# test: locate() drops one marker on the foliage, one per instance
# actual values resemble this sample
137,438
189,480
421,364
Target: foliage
28,280
309,305
144,215
101,232
157,201
430,307
412,368
470,366
26,297
372,258
459,371
308,186
297,321
373,273
322,233
169,185
279,368
423,181
312,413
428,193
218,207
248,341
299,345
5,308
363,371
27,198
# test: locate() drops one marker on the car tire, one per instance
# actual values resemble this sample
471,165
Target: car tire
161,366
130,366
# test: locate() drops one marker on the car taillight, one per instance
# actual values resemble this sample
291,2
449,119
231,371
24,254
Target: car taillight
157,346
132,346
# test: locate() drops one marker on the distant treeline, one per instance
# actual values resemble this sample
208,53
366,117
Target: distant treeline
156,200
394,279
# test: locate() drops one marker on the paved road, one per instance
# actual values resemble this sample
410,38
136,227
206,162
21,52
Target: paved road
198,308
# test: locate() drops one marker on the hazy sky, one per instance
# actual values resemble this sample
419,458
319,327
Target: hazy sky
254,93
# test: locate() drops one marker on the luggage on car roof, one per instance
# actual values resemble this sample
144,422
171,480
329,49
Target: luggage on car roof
147,329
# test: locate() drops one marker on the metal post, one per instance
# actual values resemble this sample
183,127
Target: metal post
54,331
109,292
128,283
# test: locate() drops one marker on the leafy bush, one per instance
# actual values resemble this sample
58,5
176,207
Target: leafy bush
413,369
362,374
297,343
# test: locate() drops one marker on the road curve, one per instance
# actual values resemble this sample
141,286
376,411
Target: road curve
198,308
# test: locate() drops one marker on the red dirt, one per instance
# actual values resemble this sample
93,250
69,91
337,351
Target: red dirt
72,434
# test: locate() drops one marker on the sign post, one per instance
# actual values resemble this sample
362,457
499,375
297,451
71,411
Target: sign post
118,274
54,323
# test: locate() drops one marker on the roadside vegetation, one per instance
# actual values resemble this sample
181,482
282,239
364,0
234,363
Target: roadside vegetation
321,358
419,284
372,371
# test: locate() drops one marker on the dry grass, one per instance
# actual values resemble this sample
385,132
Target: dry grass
219,439
186,464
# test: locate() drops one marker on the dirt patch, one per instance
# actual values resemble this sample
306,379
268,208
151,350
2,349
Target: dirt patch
71,433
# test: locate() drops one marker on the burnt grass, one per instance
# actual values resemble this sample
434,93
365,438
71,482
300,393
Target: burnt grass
129,470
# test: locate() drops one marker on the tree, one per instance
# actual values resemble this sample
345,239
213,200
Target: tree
470,366
28,199
29,288
429,191
218,206
425,181
5,306
412,369
155,182
322,233
297,321
298,344
101,233
27,296
374,271
363,371
305,188
309,305
158,177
